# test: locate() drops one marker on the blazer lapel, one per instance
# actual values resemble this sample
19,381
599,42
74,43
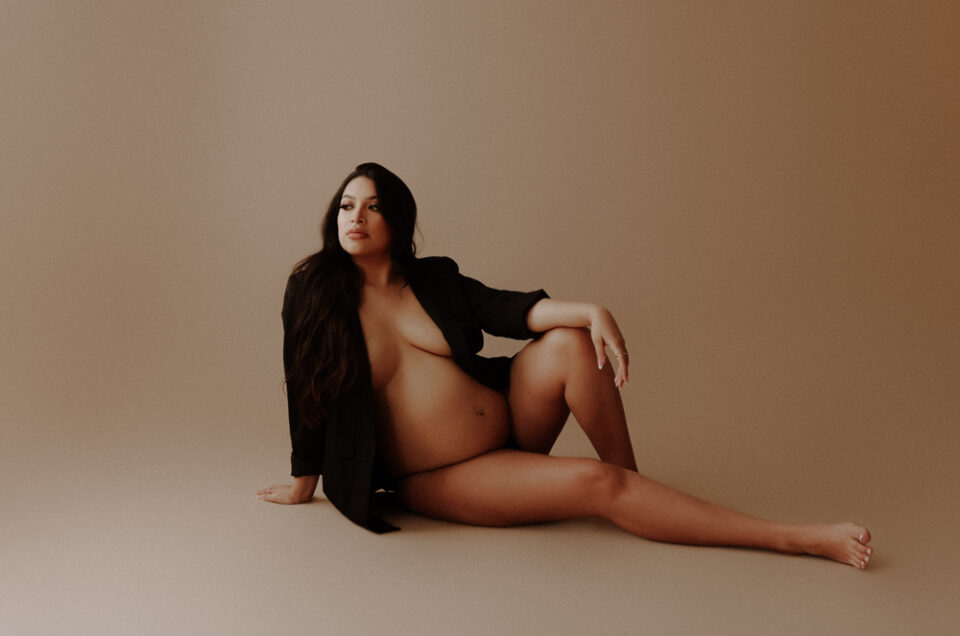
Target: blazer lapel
434,298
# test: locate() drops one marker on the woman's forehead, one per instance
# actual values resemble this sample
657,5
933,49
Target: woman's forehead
361,187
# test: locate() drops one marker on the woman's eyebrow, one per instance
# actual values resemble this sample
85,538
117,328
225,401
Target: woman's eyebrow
349,196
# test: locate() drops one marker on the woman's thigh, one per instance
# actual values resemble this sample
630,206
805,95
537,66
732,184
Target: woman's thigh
535,397
512,487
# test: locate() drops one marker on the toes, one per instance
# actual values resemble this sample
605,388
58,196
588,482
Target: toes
860,560
860,557
863,536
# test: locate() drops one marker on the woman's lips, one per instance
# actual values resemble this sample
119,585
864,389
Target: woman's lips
357,235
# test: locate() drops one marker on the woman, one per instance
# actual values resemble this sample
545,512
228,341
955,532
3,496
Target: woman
385,390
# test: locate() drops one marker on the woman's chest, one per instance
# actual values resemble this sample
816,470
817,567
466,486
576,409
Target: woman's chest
394,320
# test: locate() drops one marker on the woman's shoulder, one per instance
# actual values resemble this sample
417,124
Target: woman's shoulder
303,268
434,271
296,279
296,284
437,263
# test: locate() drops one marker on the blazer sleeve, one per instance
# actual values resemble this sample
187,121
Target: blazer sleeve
500,312
307,444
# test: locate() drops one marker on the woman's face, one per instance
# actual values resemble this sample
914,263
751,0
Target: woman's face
362,229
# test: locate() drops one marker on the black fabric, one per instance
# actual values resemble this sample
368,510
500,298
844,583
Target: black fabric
342,449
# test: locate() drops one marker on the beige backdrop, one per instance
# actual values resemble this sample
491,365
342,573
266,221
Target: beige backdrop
764,193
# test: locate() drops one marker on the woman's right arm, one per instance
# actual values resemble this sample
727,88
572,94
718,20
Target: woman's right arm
307,456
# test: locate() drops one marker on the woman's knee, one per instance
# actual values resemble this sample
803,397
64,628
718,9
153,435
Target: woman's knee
569,342
549,360
601,482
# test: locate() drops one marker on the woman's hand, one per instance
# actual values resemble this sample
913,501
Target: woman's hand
300,491
605,333
281,494
548,313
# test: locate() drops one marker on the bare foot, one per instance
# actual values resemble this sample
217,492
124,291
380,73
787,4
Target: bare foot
843,542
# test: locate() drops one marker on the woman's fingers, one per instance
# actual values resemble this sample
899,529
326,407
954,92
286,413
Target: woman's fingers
620,374
605,333
601,354
601,340
624,359
270,493
274,497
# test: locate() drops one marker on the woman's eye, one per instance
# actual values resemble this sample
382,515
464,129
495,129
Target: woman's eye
344,206
375,208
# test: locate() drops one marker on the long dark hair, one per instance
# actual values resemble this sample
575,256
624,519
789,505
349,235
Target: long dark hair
321,351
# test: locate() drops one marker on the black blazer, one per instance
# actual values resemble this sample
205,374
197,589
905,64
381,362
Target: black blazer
343,447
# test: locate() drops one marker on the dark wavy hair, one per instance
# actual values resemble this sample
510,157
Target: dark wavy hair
321,351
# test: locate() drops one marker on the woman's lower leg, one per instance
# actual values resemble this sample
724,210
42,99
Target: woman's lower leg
596,403
655,511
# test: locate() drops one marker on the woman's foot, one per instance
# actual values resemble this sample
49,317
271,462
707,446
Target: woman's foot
843,542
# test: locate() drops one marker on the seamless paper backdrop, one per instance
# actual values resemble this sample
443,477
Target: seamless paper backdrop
764,194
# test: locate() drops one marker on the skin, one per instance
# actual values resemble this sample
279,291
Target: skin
566,370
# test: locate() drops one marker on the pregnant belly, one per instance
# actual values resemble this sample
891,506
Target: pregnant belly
432,414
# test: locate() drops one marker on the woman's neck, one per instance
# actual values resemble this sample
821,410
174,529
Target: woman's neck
377,272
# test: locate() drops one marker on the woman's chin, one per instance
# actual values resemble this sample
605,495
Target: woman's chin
356,251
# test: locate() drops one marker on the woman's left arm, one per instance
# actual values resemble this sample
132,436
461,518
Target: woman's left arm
549,313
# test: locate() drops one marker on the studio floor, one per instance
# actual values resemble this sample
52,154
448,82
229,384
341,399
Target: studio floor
154,528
